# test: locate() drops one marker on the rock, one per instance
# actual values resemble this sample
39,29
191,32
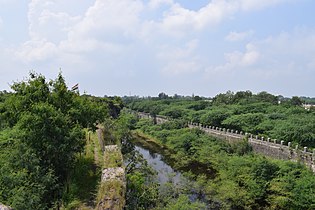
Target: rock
117,173
3,207
111,148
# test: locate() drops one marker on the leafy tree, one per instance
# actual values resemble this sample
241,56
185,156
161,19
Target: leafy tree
242,96
184,203
224,98
244,122
49,119
215,117
162,96
296,101
267,97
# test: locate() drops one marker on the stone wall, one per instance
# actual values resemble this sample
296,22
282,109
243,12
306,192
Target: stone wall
3,207
268,147
158,119
113,181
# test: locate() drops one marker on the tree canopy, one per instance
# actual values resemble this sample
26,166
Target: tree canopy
41,134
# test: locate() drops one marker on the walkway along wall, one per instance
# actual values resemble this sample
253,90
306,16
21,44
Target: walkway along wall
111,195
268,147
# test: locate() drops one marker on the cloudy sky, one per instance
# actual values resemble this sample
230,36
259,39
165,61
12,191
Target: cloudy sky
143,47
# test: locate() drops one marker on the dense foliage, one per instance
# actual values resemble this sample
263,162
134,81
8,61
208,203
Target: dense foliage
143,188
232,177
41,134
261,114
42,139
229,176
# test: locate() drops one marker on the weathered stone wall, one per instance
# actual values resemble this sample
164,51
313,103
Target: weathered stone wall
158,119
113,181
143,115
268,147
3,207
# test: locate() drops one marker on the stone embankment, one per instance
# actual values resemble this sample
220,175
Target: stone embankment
3,207
265,146
112,190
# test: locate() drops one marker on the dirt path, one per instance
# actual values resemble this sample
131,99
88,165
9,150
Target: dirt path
100,142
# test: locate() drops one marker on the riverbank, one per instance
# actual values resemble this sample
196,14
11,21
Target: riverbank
242,180
176,161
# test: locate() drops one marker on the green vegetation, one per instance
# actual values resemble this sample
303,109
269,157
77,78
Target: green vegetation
41,139
260,114
112,190
51,157
84,178
231,176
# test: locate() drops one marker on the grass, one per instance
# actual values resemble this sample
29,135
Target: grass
112,159
84,179
85,191
113,190
111,193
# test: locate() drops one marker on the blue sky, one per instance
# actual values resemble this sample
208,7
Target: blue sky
144,47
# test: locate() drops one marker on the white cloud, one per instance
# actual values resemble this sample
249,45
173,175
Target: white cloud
108,23
48,21
296,47
179,60
136,38
234,36
154,4
37,51
286,55
237,60
111,25
178,20
104,26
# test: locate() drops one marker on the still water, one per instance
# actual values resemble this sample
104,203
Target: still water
165,172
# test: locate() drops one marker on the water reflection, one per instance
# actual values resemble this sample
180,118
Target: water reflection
165,172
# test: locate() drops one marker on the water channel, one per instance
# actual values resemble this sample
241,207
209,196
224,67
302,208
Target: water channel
159,158
165,172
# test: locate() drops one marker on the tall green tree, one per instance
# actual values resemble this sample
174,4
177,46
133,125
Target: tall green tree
43,123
